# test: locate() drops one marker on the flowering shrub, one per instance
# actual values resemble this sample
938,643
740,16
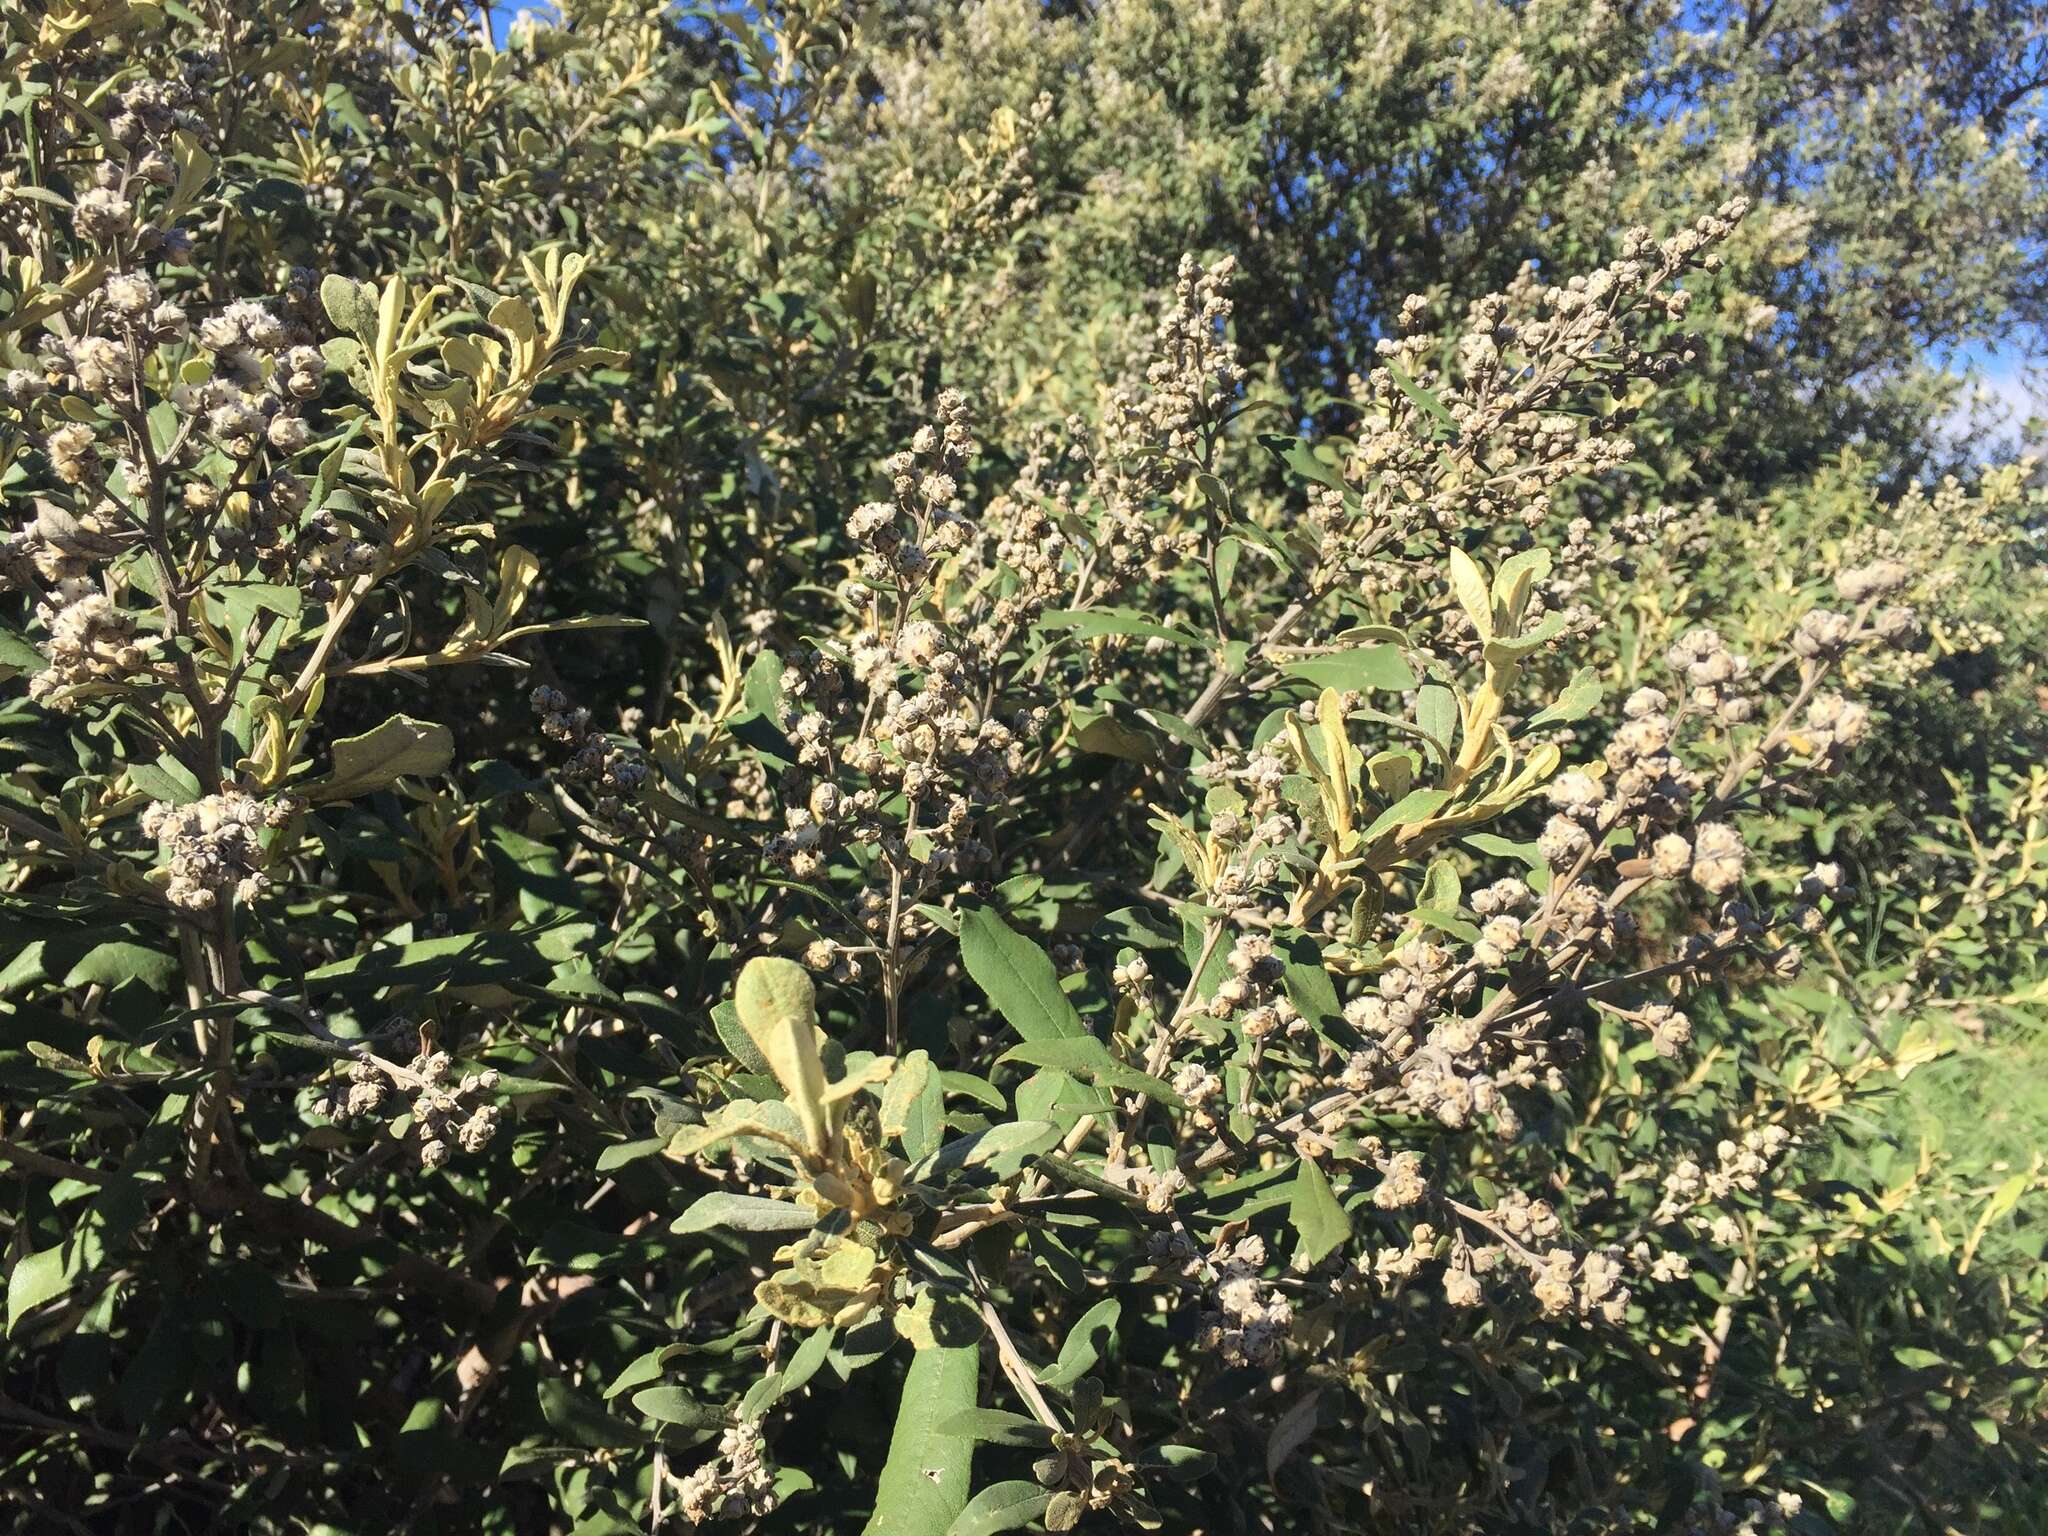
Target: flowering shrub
632,910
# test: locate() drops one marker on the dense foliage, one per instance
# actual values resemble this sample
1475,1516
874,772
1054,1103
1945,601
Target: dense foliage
934,768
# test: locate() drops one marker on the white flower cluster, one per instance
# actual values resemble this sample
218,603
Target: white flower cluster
214,847
1739,1167
1715,674
1246,1317
1190,381
445,1112
1080,525
907,709
192,470
91,639
738,1484
1422,1057
616,771
1252,993
1519,353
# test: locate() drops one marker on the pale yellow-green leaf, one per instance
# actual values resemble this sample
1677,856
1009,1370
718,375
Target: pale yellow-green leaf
401,747
1512,584
2002,1201
2005,1198
518,569
914,1322
390,307
464,355
1468,584
741,1120
1392,774
1185,841
195,165
812,1292
905,1087
435,495
866,1075
778,1008
1920,1045
515,317
1337,747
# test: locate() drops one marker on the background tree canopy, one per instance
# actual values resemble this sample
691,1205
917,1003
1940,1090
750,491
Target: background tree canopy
921,769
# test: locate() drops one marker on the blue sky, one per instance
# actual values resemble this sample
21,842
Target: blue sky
2001,385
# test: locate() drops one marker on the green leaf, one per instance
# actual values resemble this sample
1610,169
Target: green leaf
1579,698
1292,1429
342,104
463,959
1086,1343
2003,1199
1013,1138
620,1153
1512,582
768,1123
1504,848
672,1405
37,1278
913,1105
242,601
761,693
1207,978
166,779
118,961
1112,731
1447,922
1088,624
1365,668
401,747
998,1426
1018,977
1299,457
1423,398
18,654
725,1018
160,1373
1416,805
904,1085
1227,553
979,1089
807,1359
1500,652
803,1365
644,1369
745,1213
1087,1057
1314,1213
350,305
923,1486
580,1421
1436,713
1307,980
1181,1463
1001,1507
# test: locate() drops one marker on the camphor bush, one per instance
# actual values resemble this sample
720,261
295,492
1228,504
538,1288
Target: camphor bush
718,812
